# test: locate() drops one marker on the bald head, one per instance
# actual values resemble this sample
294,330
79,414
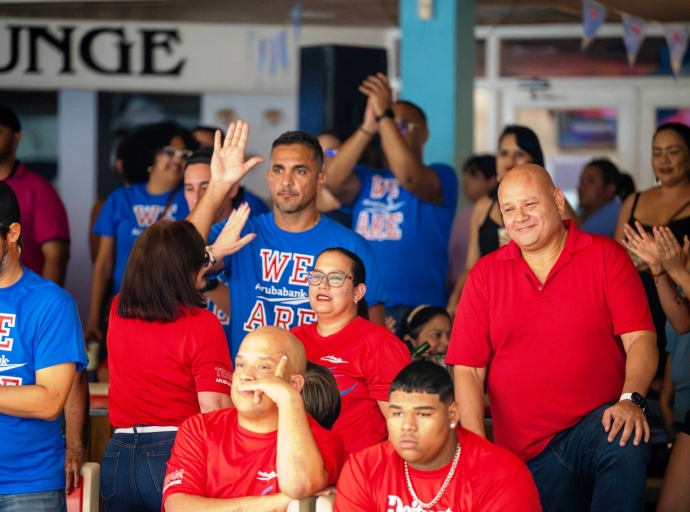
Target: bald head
274,343
533,174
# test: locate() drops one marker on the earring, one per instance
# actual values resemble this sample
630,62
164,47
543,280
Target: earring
355,301
452,425
149,169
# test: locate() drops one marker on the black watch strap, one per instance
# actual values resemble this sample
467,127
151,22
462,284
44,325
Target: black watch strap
211,284
387,113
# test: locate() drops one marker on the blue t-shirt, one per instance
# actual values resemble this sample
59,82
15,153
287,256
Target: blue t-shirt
268,277
409,236
678,348
256,204
603,221
127,212
39,328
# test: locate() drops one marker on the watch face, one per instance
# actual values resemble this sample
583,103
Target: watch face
638,400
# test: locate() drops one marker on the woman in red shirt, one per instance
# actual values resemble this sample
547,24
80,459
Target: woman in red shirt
168,360
363,357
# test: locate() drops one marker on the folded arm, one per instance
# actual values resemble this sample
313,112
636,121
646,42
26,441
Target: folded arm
189,503
43,400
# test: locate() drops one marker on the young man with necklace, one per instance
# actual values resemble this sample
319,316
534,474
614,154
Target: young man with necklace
429,462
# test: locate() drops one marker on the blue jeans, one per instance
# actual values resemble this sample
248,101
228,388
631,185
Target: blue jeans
580,470
133,469
47,501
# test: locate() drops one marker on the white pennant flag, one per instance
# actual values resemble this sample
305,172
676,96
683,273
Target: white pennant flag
633,36
677,40
593,16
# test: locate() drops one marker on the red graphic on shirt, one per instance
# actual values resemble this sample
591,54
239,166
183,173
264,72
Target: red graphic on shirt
10,381
7,320
303,262
273,264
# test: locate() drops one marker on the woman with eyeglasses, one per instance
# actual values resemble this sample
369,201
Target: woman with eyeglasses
363,357
153,163
168,357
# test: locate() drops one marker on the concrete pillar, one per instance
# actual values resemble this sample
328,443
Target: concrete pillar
437,72
76,184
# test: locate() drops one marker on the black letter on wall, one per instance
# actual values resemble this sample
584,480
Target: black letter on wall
150,44
14,49
87,57
64,46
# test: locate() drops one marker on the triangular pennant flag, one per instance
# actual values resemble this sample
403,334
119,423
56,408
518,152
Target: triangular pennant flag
593,16
677,40
633,36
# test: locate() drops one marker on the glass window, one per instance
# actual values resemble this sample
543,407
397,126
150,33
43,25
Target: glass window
526,58
37,112
119,113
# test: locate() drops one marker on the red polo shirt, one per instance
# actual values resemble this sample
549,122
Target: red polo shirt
555,349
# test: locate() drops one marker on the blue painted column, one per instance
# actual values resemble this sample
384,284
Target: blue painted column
437,59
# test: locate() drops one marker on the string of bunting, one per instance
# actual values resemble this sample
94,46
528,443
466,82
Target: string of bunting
593,17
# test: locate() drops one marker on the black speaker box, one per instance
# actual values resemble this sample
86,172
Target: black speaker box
329,99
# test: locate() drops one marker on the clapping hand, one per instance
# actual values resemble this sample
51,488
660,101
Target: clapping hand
672,256
377,88
229,241
227,163
643,246
276,387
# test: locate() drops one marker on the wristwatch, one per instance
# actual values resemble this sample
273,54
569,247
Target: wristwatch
636,398
386,113
211,284
211,257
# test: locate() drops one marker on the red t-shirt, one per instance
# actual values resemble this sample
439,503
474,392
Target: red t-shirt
364,359
215,457
43,215
555,349
157,369
487,479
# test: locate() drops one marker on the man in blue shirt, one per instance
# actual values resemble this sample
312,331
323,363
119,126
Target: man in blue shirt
405,212
268,279
41,348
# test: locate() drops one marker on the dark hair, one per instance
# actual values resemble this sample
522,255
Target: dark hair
139,150
160,276
609,171
526,140
321,395
202,155
209,129
625,186
304,138
414,106
415,319
484,164
424,377
679,128
359,275
9,118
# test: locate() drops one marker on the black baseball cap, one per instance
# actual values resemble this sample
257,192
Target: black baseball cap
9,206
9,118
202,155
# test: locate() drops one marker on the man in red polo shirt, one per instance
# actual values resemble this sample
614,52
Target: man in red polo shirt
263,452
562,317
430,463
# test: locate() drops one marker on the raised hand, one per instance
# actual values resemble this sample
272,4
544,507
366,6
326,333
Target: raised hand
643,246
276,387
229,241
378,89
227,163
672,256
370,124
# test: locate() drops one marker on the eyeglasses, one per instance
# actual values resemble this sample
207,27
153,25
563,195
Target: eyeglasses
207,259
335,279
405,127
172,152
330,153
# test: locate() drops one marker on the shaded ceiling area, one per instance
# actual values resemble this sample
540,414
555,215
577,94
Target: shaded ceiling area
364,13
